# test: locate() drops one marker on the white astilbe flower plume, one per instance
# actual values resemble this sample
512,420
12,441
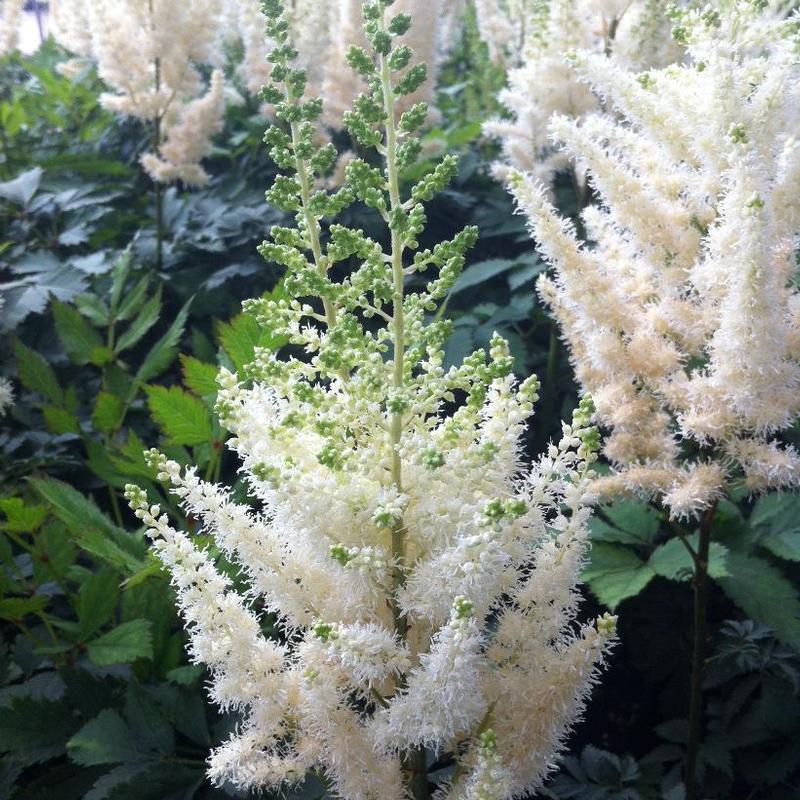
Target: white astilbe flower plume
543,83
6,395
188,140
680,311
150,54
423,576
10,21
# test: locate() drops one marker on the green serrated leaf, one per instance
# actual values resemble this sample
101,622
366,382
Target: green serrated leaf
91,529
776,511
20,517
17,608
185,675
107,414
33,729
764,594
71,507
153,568
106,739
36,374
134,300
239,339
615,573
21,189
165,349
123,644
104,787
240,336
673,561
199,376
80,340
93,308
60,421
785,544
145,320
147,721
96,601
101,355
183,418
625,522
119,275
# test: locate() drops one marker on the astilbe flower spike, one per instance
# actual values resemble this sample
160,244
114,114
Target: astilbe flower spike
10,22
424,579
149,53
680,312
544,81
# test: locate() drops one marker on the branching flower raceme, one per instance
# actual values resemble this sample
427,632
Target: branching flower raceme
322,34
149,53
424,579
681,313
636,32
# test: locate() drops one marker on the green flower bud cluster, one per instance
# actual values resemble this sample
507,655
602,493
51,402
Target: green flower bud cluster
588,434
463,608
511,509
488,741
325,631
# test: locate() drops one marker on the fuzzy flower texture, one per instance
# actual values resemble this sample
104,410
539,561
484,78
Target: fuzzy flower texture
635,32
681,310
424,580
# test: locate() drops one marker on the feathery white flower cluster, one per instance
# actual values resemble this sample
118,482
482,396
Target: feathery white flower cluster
635,32
6,395
682,317
426,580
10,21
149,52
505,26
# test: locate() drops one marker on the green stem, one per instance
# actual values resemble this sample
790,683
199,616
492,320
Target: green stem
549,393
311,222
698,654
159,200
115,507
159,197
414,760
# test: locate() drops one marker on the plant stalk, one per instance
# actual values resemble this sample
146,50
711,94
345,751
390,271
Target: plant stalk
413,761
698,654
158,189
159,198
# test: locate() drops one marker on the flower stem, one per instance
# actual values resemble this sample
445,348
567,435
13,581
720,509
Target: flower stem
414,761
698,655
158,189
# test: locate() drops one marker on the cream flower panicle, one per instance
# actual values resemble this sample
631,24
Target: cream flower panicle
150,54
10,21
543,82
424,576
680,310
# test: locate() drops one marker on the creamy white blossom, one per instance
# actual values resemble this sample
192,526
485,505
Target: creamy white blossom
634,32
423,575
680,310
150,54
6,395
10,22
